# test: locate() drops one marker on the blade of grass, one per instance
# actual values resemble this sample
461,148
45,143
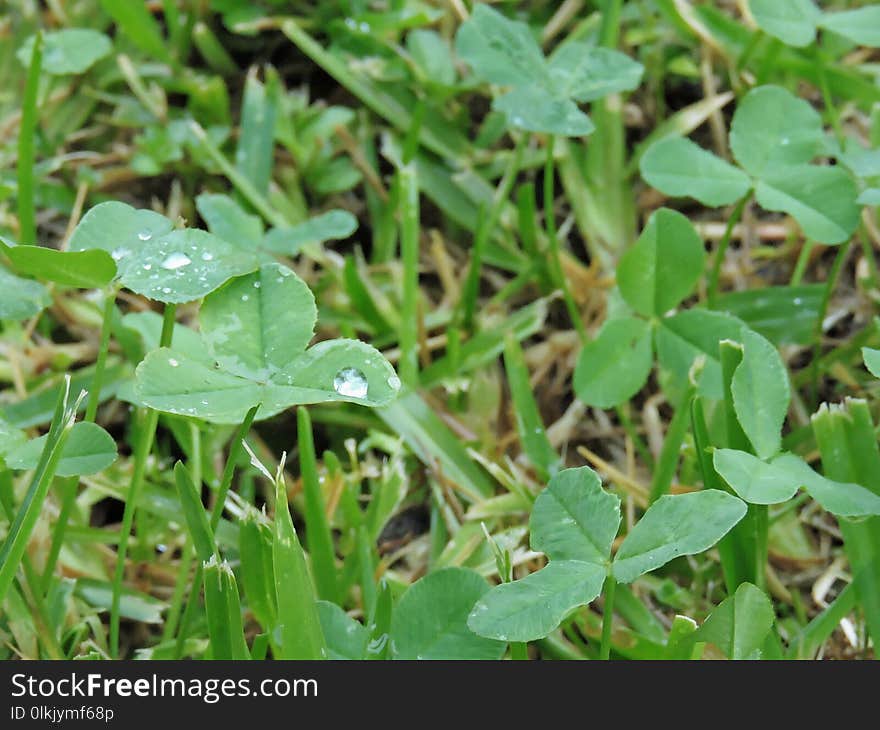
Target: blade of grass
528,420
223,610
848,446
318,538
409,254
26,148
15,544
299,628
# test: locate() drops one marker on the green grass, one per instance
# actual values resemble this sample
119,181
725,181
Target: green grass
562,343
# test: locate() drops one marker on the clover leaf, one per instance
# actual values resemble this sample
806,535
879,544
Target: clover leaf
88,450
69,51
21,298
543,95
774,137
574,521
795,22
255,331
155,259
226,219
757,481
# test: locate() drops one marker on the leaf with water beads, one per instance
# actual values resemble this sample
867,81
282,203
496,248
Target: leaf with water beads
258,327
153,259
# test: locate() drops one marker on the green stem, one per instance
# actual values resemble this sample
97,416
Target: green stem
760,520
101,361
610,29
831,283
519,651
409,250
607,617
142,449
638,442
485,227
557,273
800,267
664,471
69,486
715,276
27,220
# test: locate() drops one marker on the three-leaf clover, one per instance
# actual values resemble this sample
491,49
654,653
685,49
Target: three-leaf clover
774,137
761,396
255,332
654,277
544,94
574,522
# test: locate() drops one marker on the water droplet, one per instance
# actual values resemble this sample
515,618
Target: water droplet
166,289
351,383
147,267
257,285
244,297
393,382
119,254
172,362
207,256
176,261
145,235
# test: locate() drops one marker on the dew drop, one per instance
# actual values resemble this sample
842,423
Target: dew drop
145,235
172,362
257,285
244,297
119,254
176,261
147,267
351,383
166,289
393,382
207,256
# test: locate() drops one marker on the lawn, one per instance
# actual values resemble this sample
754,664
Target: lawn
439,329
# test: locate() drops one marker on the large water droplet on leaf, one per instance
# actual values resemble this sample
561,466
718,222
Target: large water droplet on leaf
351,383
176,261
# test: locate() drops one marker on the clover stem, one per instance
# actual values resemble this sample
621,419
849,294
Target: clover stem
800,267
831,283
101,361
143,446
186,549
607,616
715,276
68,486
760,519
556,272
